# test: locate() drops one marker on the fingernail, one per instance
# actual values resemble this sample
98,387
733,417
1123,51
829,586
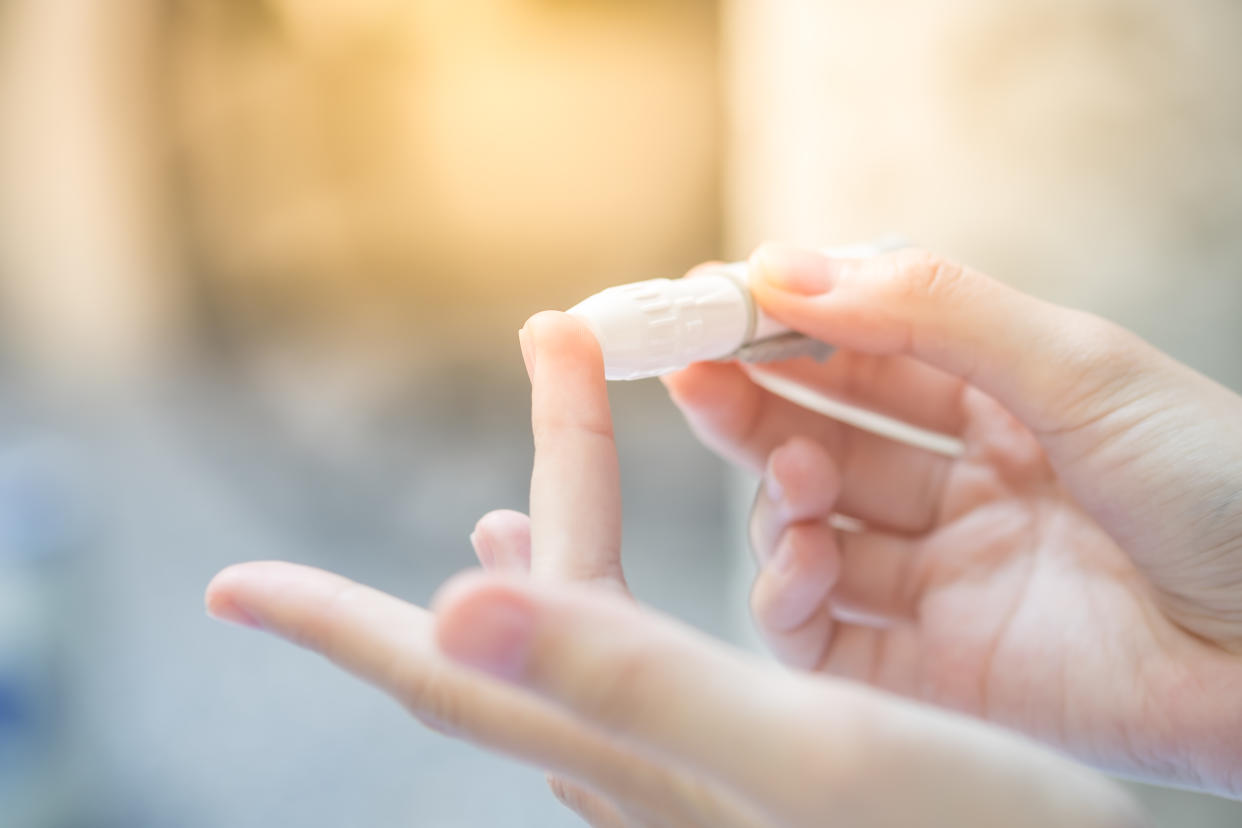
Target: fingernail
771,485
231,613
783,560
482,548
493,636
528,351
793,269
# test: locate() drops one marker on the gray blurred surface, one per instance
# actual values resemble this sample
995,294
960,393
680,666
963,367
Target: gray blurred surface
177,720
180,720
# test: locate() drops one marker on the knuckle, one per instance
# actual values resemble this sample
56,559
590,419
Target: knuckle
920,275
863,373
1097,340
550,428
426,696
618,694
1098,365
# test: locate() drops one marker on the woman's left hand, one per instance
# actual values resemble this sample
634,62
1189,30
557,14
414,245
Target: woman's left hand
643,721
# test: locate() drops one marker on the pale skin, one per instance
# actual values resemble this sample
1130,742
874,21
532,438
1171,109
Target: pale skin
1074,575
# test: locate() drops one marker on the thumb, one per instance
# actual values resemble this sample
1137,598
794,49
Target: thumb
1049,365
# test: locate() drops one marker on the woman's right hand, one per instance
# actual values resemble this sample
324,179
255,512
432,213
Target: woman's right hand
1075,574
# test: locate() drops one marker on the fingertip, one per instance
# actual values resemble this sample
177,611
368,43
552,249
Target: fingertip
482,545
798,578
225,596
222,581
228,582
224,609
558,332
705,268
540,318
528,352
790,268
485,623
783,471
256,593
799,458
501,540
462,586
801,477
503,521
803,648
568,382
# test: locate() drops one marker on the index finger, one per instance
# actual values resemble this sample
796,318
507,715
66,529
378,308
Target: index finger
575,497
391,645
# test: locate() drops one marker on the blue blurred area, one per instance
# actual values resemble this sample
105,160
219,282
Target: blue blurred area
180,720
39,522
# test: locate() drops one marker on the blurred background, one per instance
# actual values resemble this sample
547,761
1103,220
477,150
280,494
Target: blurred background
262,263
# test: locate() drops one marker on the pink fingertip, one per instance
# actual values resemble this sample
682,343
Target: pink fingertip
486,626
483,549
224,609
222,596
805,476
793,269
802,571
771,482
528,352
782,562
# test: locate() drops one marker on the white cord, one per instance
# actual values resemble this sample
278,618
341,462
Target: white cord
885,426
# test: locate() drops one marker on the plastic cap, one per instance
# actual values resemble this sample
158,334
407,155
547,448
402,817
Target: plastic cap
660,325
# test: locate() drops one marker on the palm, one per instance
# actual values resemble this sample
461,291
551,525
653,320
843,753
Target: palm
995,593
1023,611
1021,604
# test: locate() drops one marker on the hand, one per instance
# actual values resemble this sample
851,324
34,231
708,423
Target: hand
1075,574
644,721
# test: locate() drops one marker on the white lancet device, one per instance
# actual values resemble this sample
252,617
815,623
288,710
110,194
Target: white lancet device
650,328
660,325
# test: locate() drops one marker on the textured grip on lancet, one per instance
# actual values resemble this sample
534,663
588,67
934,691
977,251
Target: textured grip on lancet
787,346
